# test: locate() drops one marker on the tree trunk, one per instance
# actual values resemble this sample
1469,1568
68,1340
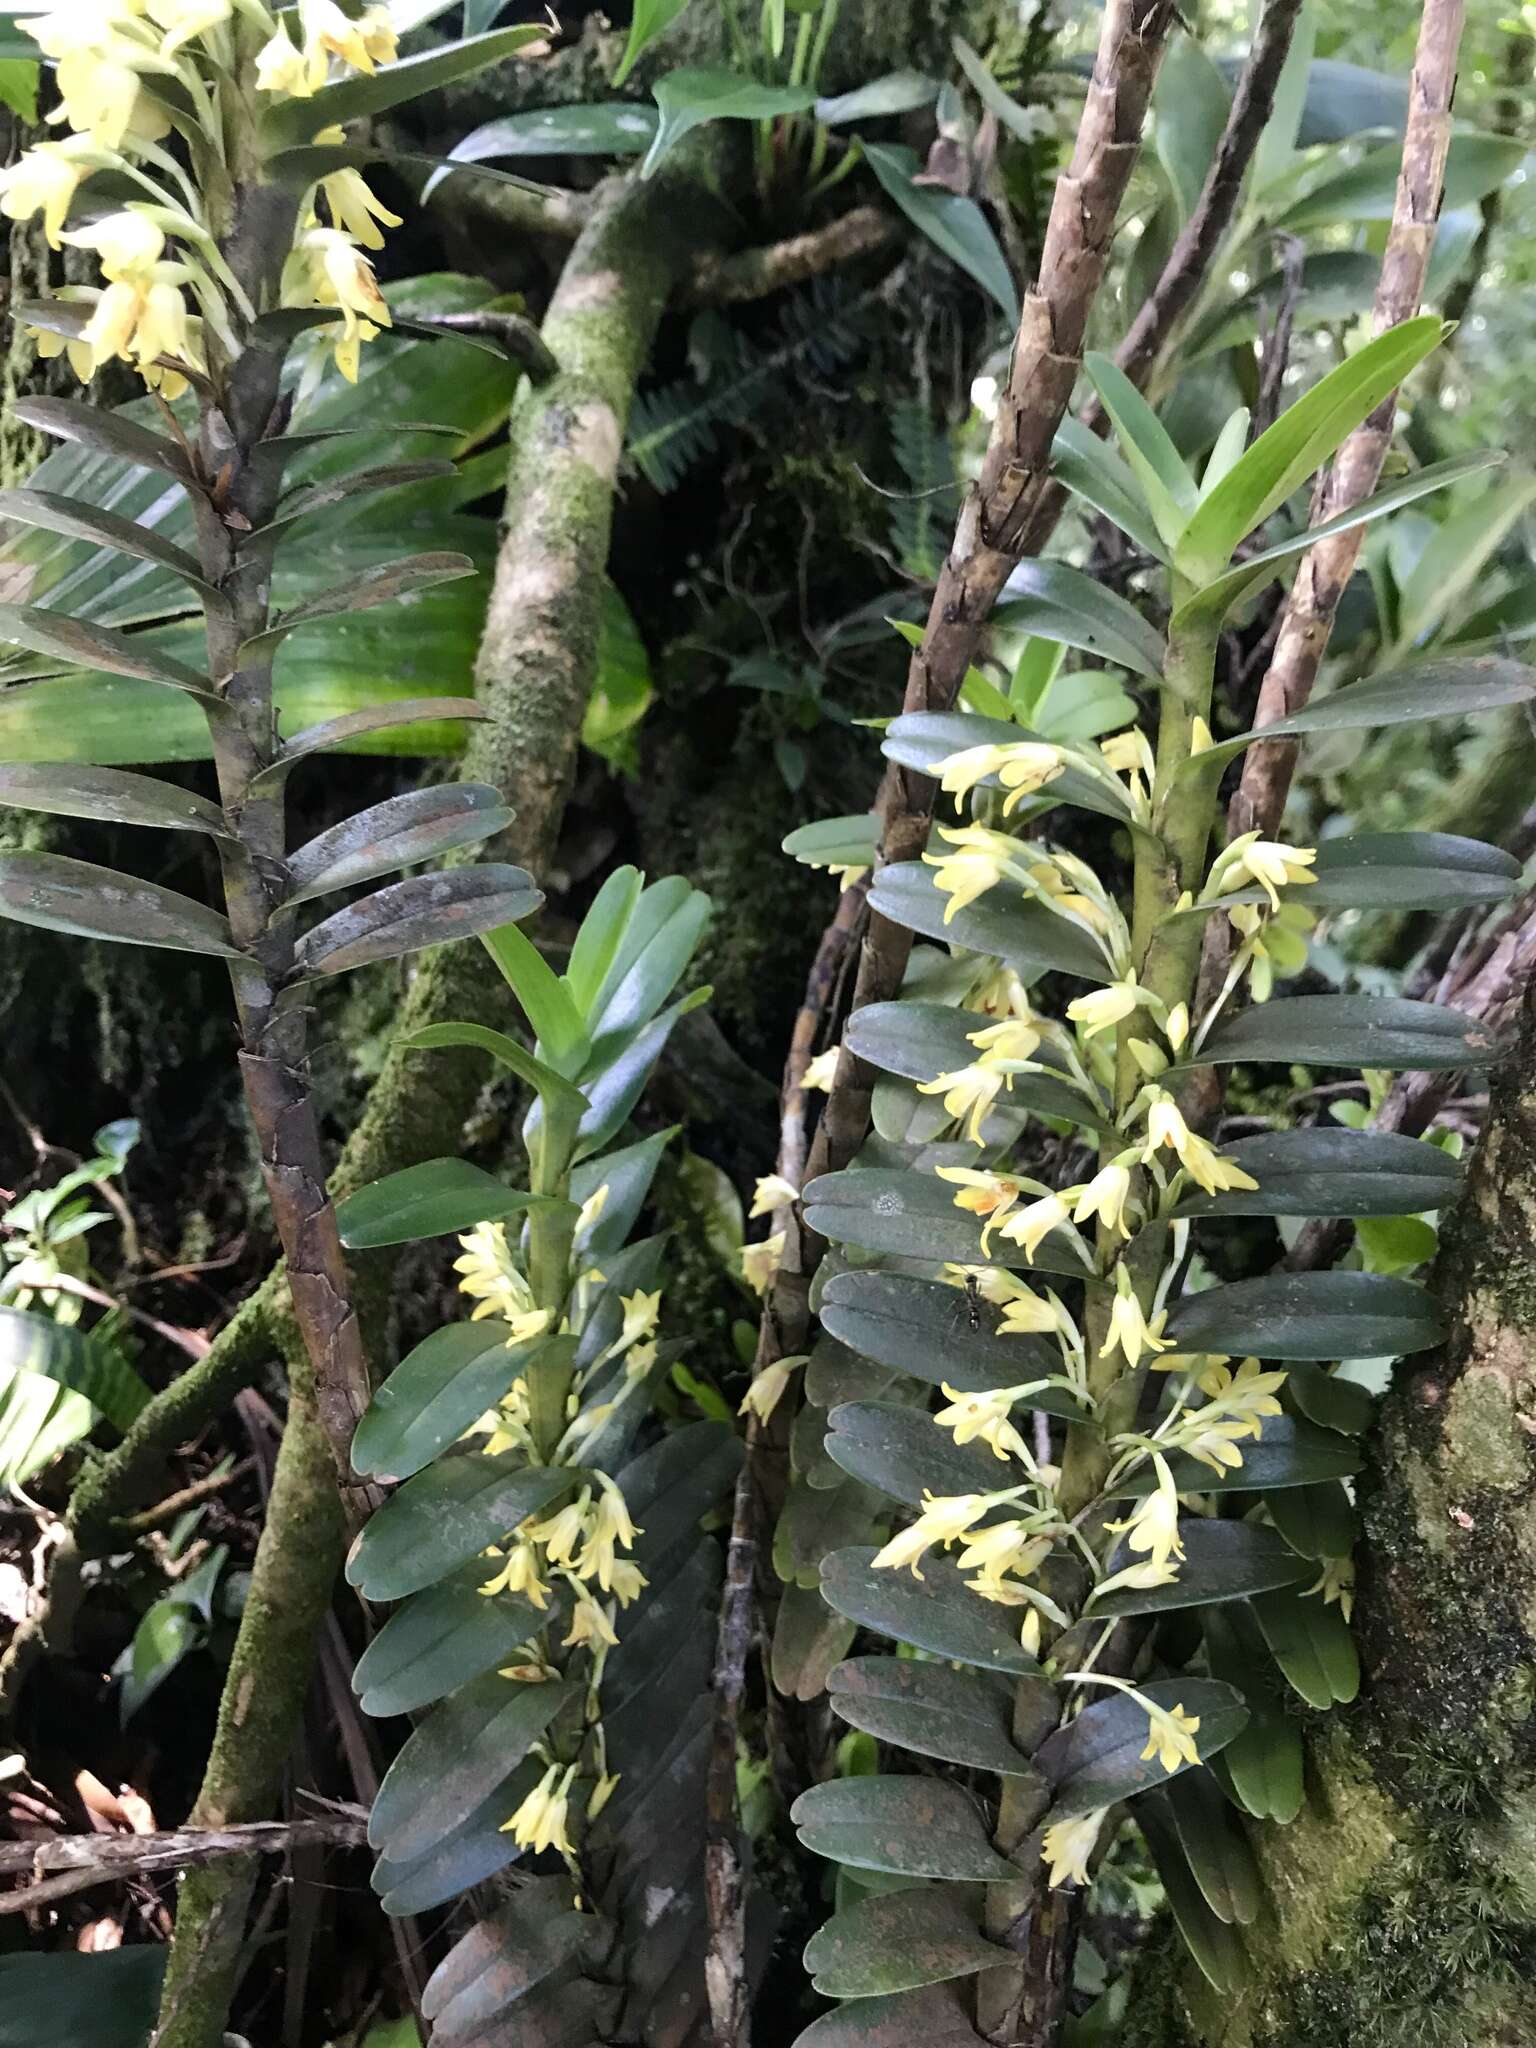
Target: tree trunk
1401,1907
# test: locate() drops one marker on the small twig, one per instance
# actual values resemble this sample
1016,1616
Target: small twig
517,337
192,1342
85,1861
1275,353
754,273
175,1504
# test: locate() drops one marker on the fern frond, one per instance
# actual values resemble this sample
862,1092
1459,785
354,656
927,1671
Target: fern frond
817,332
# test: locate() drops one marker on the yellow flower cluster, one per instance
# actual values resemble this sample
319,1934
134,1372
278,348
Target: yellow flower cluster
126,73
578,1543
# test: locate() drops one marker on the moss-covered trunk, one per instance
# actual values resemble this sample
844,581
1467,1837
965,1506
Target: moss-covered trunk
1401,1906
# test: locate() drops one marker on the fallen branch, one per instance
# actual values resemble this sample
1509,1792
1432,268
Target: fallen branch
754,273
86,1861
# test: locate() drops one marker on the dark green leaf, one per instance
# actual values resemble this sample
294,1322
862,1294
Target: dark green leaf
1190,103
697,94
1096,1759
954,1715
1475,166
1061,603
1216,1848
108,794
1312,1645
1317,1520
1353,1031
932,2015
1409,871
1289,1454
473,1852
447,1515
73,645
1330,1400
604,128
1330,1172
903,1453
77,521
385,583
922,739
109,433
348,99
72,2000
455,1760
70,1358
1309,1316
439,1391
1453,688
302,504
916,1827
1025,936
923,1040
931,1330
438,1640
427,910
429,1200
88,902
418,826
1263,1765
913,1215
808,1639
937,1612
502,1958
955,225
919,1935
1222,1561
355,725
1214,1945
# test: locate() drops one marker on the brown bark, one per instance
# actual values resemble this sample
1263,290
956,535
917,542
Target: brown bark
1325,570
1157,322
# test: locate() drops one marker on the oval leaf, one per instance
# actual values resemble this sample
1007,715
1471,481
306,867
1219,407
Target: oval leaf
920,1041
1409,871
903,1453
937,1612
458,1756
429,1200
112,795
447,1515
1096,1759
913,1215
696,94
935,1333
1353,1031
420,825
435,1394
914,1827
1222,1561
957,1716
88,902
75,645
438,1640
1309,1316
1327,1172
1289,1454
896,1943
1312,1645
427,910
922,739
